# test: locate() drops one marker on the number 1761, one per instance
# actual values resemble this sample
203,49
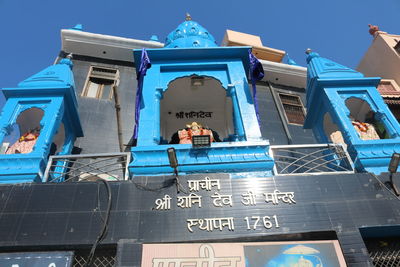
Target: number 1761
267,221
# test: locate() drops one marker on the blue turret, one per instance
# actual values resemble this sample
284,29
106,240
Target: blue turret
193,80
343,106
39,118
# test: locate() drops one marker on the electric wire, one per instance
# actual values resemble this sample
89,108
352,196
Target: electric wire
104,228
166,184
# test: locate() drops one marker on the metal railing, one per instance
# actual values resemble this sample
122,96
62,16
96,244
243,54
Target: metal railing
89,167
311,159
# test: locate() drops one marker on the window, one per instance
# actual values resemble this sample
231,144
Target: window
293,108
100,82
397,47
388,88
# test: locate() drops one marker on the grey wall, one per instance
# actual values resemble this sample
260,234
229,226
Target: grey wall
271,123
98,116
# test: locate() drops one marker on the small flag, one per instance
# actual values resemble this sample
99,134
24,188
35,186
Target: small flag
140,73
256,74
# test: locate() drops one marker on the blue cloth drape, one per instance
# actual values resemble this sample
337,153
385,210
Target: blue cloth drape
140,73
256,74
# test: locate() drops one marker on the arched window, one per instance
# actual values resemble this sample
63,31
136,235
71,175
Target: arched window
24,133
364,120
197,99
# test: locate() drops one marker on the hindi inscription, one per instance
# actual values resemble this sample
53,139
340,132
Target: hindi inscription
224,201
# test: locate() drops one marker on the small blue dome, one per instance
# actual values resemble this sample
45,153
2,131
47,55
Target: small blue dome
189,34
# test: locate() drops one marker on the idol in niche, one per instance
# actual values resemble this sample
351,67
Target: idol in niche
184,136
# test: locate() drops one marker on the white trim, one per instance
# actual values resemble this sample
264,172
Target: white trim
289,75
120,48
93,44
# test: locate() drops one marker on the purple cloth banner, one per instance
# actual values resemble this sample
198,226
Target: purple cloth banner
144,65
256,74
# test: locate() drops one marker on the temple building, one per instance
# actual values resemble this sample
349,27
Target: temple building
129,152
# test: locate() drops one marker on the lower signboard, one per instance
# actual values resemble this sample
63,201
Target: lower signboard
268,254
37,259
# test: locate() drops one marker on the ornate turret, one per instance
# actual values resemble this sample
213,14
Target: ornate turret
345,107
189,34
39,119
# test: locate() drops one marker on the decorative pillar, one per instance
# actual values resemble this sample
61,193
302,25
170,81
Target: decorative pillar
237,118
157,103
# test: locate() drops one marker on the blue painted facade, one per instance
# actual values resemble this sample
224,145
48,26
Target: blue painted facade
52,91
194,53
348,207
329,86
191,51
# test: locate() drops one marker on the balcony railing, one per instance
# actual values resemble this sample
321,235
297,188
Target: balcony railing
311,159
87,167
289,160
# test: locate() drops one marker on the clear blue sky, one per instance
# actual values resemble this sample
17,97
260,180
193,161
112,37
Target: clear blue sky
337,29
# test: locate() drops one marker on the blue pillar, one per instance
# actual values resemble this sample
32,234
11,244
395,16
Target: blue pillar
237,118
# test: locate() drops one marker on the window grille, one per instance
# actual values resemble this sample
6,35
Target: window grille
102,258
384,252
100,82
293,108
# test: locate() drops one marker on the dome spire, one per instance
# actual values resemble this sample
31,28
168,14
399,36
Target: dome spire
189,34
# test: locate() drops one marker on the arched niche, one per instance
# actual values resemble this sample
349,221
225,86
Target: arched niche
359,108
171,73
196,98
30,119
365,121
23,134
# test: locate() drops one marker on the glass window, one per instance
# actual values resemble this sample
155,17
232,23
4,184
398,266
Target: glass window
293,108
100,82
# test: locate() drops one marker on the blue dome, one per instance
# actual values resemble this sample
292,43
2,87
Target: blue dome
189,34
